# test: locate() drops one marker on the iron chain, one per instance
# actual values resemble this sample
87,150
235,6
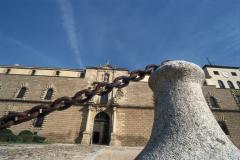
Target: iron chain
81,97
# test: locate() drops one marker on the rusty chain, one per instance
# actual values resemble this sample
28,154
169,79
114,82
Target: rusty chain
81,97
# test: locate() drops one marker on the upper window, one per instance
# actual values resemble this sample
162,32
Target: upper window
22,92
238,83
33,72
238,99
223,125
8,71
230,84
216,72
234,73
49,94
82,74
213,102
57,73
220,83
104,99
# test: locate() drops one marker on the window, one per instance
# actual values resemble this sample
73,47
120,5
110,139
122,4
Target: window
49,94
39,121
82,74
205,82
33,72
213,102
223,125
22,92
234,73
8,71
238,98
230,84
220,83
106,77
57,73
104,99
216,72
238,83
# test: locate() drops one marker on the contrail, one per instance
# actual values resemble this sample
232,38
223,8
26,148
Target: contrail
69,26
28,48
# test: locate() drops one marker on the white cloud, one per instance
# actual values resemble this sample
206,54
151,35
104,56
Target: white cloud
69,26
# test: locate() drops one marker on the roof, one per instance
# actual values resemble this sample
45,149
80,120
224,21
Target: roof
216,66
109,68
65,69
46,68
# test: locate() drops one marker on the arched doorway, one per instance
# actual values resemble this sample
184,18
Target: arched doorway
101,129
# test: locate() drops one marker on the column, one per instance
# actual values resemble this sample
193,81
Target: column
87,133
114,139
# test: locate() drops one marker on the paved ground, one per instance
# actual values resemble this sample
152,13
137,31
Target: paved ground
66,152
47,152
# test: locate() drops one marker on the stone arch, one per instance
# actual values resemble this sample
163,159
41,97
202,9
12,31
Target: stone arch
221,84
45,91
230,84
210,98
101,129
18,89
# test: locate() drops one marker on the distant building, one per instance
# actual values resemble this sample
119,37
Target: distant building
222,76
123,117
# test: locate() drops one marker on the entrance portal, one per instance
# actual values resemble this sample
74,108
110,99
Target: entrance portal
101,129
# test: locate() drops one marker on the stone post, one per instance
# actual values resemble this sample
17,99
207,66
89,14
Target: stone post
87,136
184,127
114,141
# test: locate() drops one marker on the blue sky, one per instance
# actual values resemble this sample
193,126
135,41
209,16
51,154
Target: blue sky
128,33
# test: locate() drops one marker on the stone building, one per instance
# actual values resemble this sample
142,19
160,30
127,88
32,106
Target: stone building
123,117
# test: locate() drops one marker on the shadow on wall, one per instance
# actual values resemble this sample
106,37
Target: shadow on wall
82,125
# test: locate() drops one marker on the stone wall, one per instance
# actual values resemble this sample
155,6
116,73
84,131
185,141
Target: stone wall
134,107
134,125
232,120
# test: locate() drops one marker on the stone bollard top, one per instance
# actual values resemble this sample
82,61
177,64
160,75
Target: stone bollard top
178,70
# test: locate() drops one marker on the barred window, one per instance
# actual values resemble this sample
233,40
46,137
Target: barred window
22,92
49,94
104,99
238,98
220,83
238,83
230,84
223,125
213,102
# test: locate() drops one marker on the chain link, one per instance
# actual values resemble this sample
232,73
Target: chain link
81,97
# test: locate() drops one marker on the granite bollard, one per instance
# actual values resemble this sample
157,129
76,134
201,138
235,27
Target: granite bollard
184,127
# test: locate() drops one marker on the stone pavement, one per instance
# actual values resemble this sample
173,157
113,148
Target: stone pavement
66,152
47,151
